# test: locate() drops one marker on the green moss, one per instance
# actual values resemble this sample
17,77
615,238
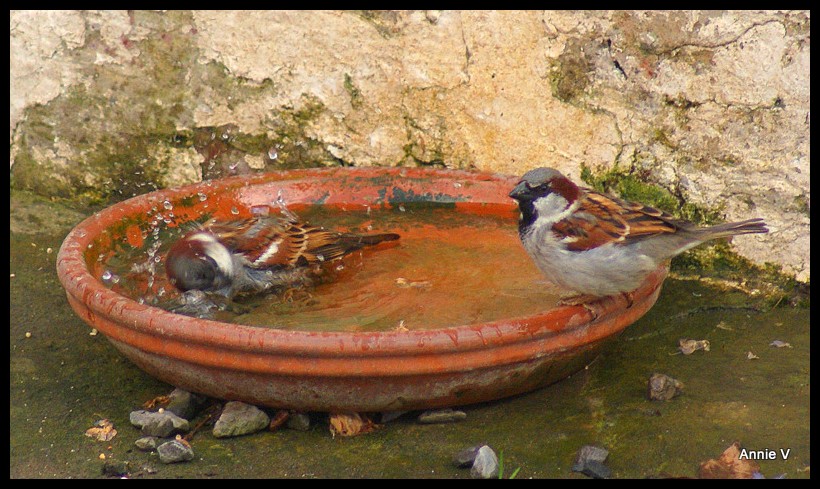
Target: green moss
355,94
569,76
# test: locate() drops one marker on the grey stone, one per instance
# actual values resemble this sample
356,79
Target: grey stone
161,423
185,404
298,421
238,418
147,443
442,416
175,451
485,465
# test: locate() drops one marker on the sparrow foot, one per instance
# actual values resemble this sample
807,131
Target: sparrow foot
196,303
576,299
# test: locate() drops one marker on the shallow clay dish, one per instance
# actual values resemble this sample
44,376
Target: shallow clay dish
335,370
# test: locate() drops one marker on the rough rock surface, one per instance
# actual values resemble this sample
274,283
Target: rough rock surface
711,105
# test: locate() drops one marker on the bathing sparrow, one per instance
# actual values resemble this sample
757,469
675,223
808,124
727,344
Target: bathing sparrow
599,245
254,255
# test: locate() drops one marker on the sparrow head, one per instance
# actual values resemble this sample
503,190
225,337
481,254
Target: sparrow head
199,261
544,193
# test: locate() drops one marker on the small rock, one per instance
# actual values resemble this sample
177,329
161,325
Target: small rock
388,416
485,465
590,462
298,421
115,468
161,423
238,418
175,451
185,404
147,443
663,387
442,416
465,458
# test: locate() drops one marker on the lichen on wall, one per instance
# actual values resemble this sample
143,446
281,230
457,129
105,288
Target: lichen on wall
712,106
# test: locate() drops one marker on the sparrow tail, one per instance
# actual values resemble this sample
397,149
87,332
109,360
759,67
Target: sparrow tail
749,226
368,240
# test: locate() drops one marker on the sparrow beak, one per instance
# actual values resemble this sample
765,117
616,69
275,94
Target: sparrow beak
521,191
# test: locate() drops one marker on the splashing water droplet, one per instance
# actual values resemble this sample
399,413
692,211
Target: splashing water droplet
401,207
107,275
234,211
340,268
202,197
320,257
168,205
272,153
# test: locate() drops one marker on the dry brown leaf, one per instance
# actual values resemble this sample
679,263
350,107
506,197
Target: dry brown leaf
157,401
351,424
413,284
729,466
278,419
687,347
103,430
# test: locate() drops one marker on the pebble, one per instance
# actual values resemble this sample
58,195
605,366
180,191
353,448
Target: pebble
161,423
185,404
485,465
663,387
442,416
238,418
175,451
388,416
465,458
147,443
590,462
298,421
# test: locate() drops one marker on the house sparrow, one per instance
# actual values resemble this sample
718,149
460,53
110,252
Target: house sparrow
599,245
254,255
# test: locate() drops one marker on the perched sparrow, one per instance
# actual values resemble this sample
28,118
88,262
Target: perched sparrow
600,245
254,255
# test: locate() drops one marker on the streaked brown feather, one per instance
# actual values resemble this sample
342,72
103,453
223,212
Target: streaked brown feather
601,219
297,243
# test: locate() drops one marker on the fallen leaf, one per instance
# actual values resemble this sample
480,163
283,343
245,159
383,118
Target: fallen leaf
278,419
103,430
157,401
409,284
687,347
751,356
351,424
780,344
729,466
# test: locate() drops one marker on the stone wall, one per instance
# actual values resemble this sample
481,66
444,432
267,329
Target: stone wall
712,106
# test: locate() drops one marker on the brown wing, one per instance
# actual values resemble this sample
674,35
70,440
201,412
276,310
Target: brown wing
602,219
279,242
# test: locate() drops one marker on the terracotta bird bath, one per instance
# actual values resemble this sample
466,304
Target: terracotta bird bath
319,370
